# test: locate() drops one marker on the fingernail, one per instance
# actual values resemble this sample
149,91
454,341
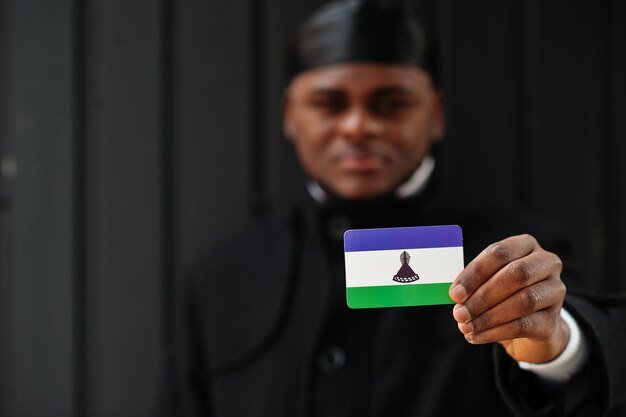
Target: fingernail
458,293
460,313
469,337
466,327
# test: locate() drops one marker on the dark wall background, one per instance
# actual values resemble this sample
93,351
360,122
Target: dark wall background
133,132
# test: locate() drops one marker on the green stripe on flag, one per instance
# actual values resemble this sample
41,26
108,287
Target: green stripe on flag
399,295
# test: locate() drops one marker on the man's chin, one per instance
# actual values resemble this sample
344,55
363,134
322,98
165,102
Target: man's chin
360,191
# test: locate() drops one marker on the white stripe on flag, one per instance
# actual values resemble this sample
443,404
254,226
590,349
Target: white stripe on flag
377,268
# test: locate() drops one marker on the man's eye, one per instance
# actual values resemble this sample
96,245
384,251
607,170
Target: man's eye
332,105
390,106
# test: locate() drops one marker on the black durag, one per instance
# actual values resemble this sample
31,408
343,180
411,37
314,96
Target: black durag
368,31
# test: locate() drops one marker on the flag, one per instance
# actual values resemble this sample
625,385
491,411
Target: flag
405,266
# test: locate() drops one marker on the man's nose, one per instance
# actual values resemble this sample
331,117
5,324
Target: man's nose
359,125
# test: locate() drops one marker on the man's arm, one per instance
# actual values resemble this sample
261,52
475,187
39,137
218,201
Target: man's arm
512,294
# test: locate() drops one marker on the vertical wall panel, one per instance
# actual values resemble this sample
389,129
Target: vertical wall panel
483,115
7,213
566,144
443,38
43,129
277,149
186,196
213,126
283,175
615,145
124,223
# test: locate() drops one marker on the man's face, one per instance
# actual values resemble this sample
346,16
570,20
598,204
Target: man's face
362,129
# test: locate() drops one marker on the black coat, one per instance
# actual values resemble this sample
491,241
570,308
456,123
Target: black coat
264,329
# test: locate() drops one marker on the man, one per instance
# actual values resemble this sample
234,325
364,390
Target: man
265,329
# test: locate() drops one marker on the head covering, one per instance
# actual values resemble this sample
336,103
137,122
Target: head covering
361,31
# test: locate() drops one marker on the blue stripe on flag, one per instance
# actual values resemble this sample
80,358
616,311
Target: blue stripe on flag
403,238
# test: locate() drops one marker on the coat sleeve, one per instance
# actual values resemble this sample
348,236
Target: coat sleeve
599,387
185,383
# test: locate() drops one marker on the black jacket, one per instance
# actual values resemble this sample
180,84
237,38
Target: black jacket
264,329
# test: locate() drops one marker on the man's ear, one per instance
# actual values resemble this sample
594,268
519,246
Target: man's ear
289,129
438,121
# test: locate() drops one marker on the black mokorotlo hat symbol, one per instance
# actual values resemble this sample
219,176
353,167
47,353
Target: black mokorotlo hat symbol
405,274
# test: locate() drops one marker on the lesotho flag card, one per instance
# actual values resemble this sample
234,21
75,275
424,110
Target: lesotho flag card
404,266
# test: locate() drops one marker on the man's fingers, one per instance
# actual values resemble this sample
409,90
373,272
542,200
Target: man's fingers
536,325
488,262
525,302
510,279
512,293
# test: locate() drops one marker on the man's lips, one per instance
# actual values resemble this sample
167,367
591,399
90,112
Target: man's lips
361,162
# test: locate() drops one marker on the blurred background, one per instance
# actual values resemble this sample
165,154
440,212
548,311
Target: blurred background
133,133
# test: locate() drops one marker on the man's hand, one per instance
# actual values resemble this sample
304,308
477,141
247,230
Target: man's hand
512,294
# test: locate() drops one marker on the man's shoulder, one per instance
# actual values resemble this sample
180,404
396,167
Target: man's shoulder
259,238
257,254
